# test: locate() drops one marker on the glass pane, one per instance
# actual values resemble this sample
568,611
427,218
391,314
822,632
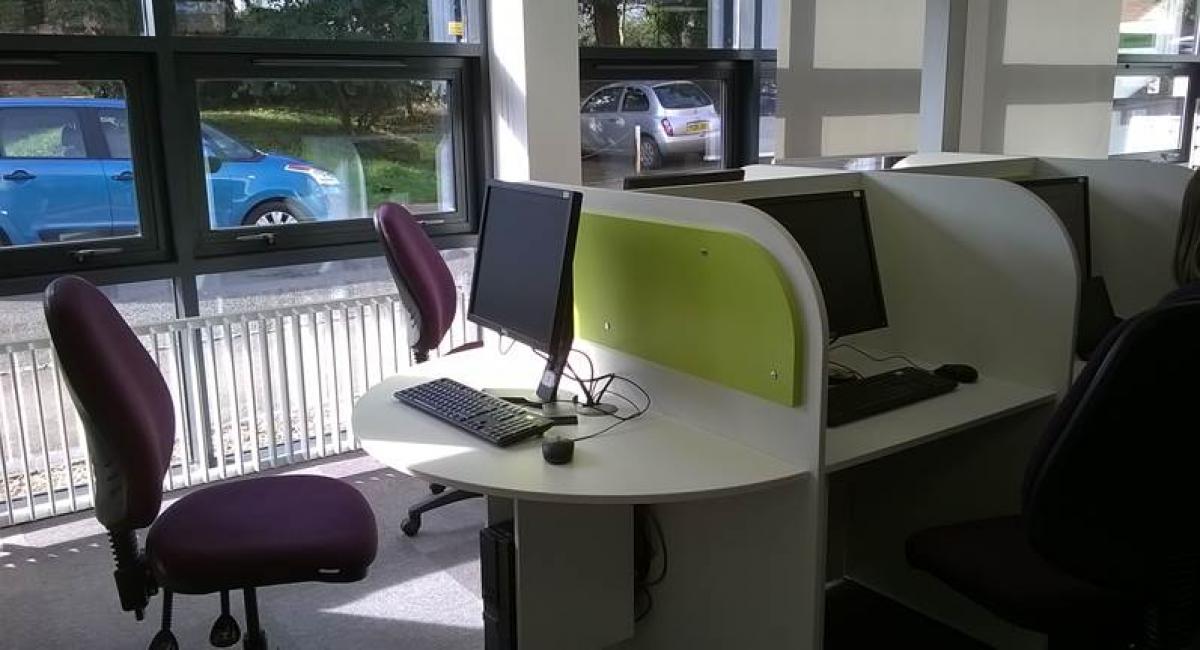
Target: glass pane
651,23
140,303
679,122
1147,114
303,284
768,95
65,168
1158,27
293,151
445,21
81,17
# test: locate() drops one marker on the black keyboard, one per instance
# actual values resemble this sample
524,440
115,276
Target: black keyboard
479,414
876,394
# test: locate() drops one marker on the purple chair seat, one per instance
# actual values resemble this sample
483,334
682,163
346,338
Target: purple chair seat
263,531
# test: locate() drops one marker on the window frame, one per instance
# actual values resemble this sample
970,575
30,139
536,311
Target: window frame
739,70
210,242
1180,154
151,244
167,216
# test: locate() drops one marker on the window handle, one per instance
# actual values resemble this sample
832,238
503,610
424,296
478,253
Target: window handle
84,254
124,176
267,238
19,175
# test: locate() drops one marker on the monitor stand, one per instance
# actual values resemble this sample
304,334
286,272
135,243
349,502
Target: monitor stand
563,410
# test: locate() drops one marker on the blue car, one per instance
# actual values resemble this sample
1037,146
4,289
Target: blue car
66,174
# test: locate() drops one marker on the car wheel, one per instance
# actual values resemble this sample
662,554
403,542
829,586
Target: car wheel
274,213
650,154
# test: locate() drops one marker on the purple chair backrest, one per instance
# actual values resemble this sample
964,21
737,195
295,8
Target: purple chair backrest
121,397
426,286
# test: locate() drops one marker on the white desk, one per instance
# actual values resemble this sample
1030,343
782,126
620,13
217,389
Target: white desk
968,406
574,522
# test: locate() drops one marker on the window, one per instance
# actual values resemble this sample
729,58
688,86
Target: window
604,100
678,24
91,17
288,151
679,123
768,95
37,131
114,126
140,303
635,101
66,170
366,20
1158,27
1149,114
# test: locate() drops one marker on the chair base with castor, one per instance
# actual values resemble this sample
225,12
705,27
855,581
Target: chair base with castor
412,524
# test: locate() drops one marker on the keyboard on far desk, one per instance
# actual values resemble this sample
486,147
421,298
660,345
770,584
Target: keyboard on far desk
886,391
479,414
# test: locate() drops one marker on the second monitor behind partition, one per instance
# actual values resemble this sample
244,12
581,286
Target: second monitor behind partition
1068,197
690,178
834,230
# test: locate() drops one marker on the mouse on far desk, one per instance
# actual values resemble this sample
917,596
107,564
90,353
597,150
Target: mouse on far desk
959,372
557,449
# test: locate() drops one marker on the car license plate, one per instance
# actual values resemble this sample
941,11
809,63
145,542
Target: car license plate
697,127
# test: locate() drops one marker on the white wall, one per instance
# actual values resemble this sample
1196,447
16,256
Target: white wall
1038,77
849,76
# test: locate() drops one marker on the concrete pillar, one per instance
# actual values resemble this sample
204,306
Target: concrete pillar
534,54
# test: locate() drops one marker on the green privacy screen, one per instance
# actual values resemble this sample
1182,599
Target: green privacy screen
708,303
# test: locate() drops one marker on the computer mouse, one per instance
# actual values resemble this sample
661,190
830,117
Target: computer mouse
558,450
959,372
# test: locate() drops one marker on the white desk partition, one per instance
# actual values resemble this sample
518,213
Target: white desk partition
1135,210
746,572
977,271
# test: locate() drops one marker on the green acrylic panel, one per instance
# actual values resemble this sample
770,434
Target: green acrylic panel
709,303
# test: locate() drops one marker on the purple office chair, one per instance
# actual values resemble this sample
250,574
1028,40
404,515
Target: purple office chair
429,296
243,534
1106,551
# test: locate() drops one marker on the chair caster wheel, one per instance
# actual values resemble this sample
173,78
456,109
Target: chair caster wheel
225,632
256,641
164,640
436,489
411,526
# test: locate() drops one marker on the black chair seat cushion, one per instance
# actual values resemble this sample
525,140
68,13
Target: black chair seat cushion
991,562
263,531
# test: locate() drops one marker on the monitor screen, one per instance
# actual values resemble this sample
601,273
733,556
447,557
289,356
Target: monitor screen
1068,197
693,178
522,285
834,231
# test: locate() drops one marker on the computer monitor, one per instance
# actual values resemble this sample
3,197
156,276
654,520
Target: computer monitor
691,178
834,231
1068,197
523,280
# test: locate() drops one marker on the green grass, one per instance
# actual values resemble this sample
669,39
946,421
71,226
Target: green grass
395,166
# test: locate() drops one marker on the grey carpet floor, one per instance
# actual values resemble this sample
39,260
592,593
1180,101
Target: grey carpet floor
56,588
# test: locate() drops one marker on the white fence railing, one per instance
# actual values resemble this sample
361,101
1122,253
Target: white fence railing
252,391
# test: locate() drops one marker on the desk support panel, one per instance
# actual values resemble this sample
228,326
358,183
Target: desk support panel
574,575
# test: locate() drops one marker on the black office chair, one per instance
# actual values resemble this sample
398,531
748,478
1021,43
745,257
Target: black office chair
1106,550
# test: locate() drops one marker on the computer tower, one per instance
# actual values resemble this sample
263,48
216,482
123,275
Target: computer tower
498,569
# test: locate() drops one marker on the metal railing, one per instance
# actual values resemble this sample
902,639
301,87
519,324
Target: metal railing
251,391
